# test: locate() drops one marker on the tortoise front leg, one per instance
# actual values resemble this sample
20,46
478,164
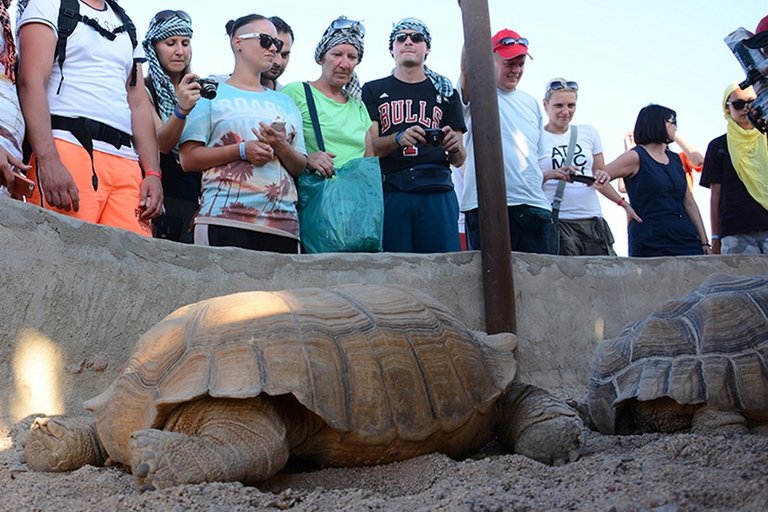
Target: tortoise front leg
62,444
211,440
536,424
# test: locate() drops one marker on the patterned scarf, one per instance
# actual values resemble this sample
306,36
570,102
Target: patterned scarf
334,37
166,94
441,83
749,153
10,47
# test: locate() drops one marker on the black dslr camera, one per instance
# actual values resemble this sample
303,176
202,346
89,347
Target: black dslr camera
207,87
749,51
434,137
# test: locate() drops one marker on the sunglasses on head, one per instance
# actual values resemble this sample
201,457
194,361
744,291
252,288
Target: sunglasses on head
739,104
511,41
168,14
416,38
265,40
342,22
558,85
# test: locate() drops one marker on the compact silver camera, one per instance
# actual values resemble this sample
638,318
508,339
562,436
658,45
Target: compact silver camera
749,50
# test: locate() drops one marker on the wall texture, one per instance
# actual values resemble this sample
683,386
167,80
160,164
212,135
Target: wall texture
76,297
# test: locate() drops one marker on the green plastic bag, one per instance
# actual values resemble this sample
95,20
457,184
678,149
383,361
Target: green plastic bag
345,214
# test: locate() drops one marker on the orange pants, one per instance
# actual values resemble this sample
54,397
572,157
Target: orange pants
115,203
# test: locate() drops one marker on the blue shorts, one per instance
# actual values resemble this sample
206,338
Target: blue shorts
421,223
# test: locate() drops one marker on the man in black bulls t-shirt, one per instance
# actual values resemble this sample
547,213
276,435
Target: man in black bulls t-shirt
417,134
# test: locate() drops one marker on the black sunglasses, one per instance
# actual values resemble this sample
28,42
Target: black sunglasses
511,41
168,14
416,38
265,40
739,104
342,22
559,85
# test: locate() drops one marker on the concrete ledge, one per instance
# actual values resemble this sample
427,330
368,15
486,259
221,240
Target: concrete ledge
76,297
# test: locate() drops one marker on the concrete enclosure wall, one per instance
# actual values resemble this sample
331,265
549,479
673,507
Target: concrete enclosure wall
76,297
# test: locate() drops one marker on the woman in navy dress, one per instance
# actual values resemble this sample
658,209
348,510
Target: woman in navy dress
658,191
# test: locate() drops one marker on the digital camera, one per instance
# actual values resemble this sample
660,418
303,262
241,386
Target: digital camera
208,87
434,137
748,49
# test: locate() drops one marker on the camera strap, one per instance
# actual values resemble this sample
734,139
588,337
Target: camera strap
313,115
554,233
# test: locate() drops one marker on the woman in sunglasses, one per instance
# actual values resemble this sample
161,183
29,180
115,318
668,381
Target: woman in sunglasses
658,190
337,98
249,143
736,172
582,229
174,93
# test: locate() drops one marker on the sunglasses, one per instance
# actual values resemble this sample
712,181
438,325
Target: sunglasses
511,41
416,38
265,40
168,14
739,104
672,120
557,85
342,23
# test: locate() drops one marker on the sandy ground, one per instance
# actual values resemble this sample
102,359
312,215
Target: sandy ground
653,472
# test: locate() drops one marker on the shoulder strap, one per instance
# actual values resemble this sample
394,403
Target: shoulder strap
568,161
69,17
313,115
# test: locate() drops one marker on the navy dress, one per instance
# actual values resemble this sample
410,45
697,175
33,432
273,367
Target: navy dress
657,193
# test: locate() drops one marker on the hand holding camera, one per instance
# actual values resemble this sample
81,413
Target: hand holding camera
208,87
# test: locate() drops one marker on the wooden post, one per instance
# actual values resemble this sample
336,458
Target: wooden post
498,285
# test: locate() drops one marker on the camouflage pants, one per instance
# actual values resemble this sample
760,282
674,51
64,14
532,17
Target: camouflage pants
753,242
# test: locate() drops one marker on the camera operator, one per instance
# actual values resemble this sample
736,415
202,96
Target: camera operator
736,172
174,92
421,211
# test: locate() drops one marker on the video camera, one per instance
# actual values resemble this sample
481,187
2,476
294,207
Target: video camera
748,49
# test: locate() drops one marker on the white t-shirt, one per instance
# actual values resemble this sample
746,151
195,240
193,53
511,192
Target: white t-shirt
521,127
580,200
96,71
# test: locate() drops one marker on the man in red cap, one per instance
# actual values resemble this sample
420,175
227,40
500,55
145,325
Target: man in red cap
521,128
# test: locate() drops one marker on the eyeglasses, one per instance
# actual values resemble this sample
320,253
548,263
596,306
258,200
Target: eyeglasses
739,104
168,14
559,85
511,41
672,120
265,40
416,38
342,22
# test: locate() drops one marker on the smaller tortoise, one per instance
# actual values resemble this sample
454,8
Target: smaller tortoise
697,364
228,389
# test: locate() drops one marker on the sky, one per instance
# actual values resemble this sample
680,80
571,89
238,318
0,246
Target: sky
624,55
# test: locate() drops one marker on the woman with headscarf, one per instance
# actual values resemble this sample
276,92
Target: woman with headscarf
11,120
174,93
344,122
249,142
658,190
736,172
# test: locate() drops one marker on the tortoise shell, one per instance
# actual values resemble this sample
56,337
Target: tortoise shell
383,362
710,346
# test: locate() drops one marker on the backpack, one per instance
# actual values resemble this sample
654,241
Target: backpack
69,17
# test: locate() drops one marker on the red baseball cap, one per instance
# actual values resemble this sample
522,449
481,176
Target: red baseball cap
508,44
762,26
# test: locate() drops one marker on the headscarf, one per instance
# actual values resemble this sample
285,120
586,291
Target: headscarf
166,94
749,153
350,35
10,47
441,83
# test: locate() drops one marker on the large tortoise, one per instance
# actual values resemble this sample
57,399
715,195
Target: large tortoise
228,389
698,364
